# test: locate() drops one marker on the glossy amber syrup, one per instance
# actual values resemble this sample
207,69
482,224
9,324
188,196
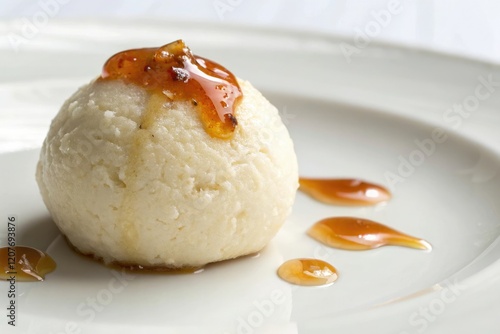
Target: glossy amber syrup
309,272
360,234
26,264
173,72
351,192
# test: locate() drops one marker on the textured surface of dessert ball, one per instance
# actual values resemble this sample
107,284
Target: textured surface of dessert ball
165,194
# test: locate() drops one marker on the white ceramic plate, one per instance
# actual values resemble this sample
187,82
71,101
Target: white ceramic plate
358,117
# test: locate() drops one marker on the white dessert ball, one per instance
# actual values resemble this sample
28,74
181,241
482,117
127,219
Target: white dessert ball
169,195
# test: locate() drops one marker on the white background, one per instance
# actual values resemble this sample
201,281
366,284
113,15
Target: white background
465,27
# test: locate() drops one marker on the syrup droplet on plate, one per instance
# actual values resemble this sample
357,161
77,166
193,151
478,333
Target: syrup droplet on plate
360,234
348,192
27,264
173,72
308,272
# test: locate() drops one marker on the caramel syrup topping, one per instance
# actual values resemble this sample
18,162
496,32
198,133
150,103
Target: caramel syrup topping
26,264
174,72
308,272
360,234
349,192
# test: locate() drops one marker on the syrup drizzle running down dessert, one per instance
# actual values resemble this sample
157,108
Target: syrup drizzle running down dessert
29,264
175,73
360,234
351,192
310,272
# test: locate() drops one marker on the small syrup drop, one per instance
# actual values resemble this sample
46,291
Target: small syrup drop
348,192
308,272
360,234
26,264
